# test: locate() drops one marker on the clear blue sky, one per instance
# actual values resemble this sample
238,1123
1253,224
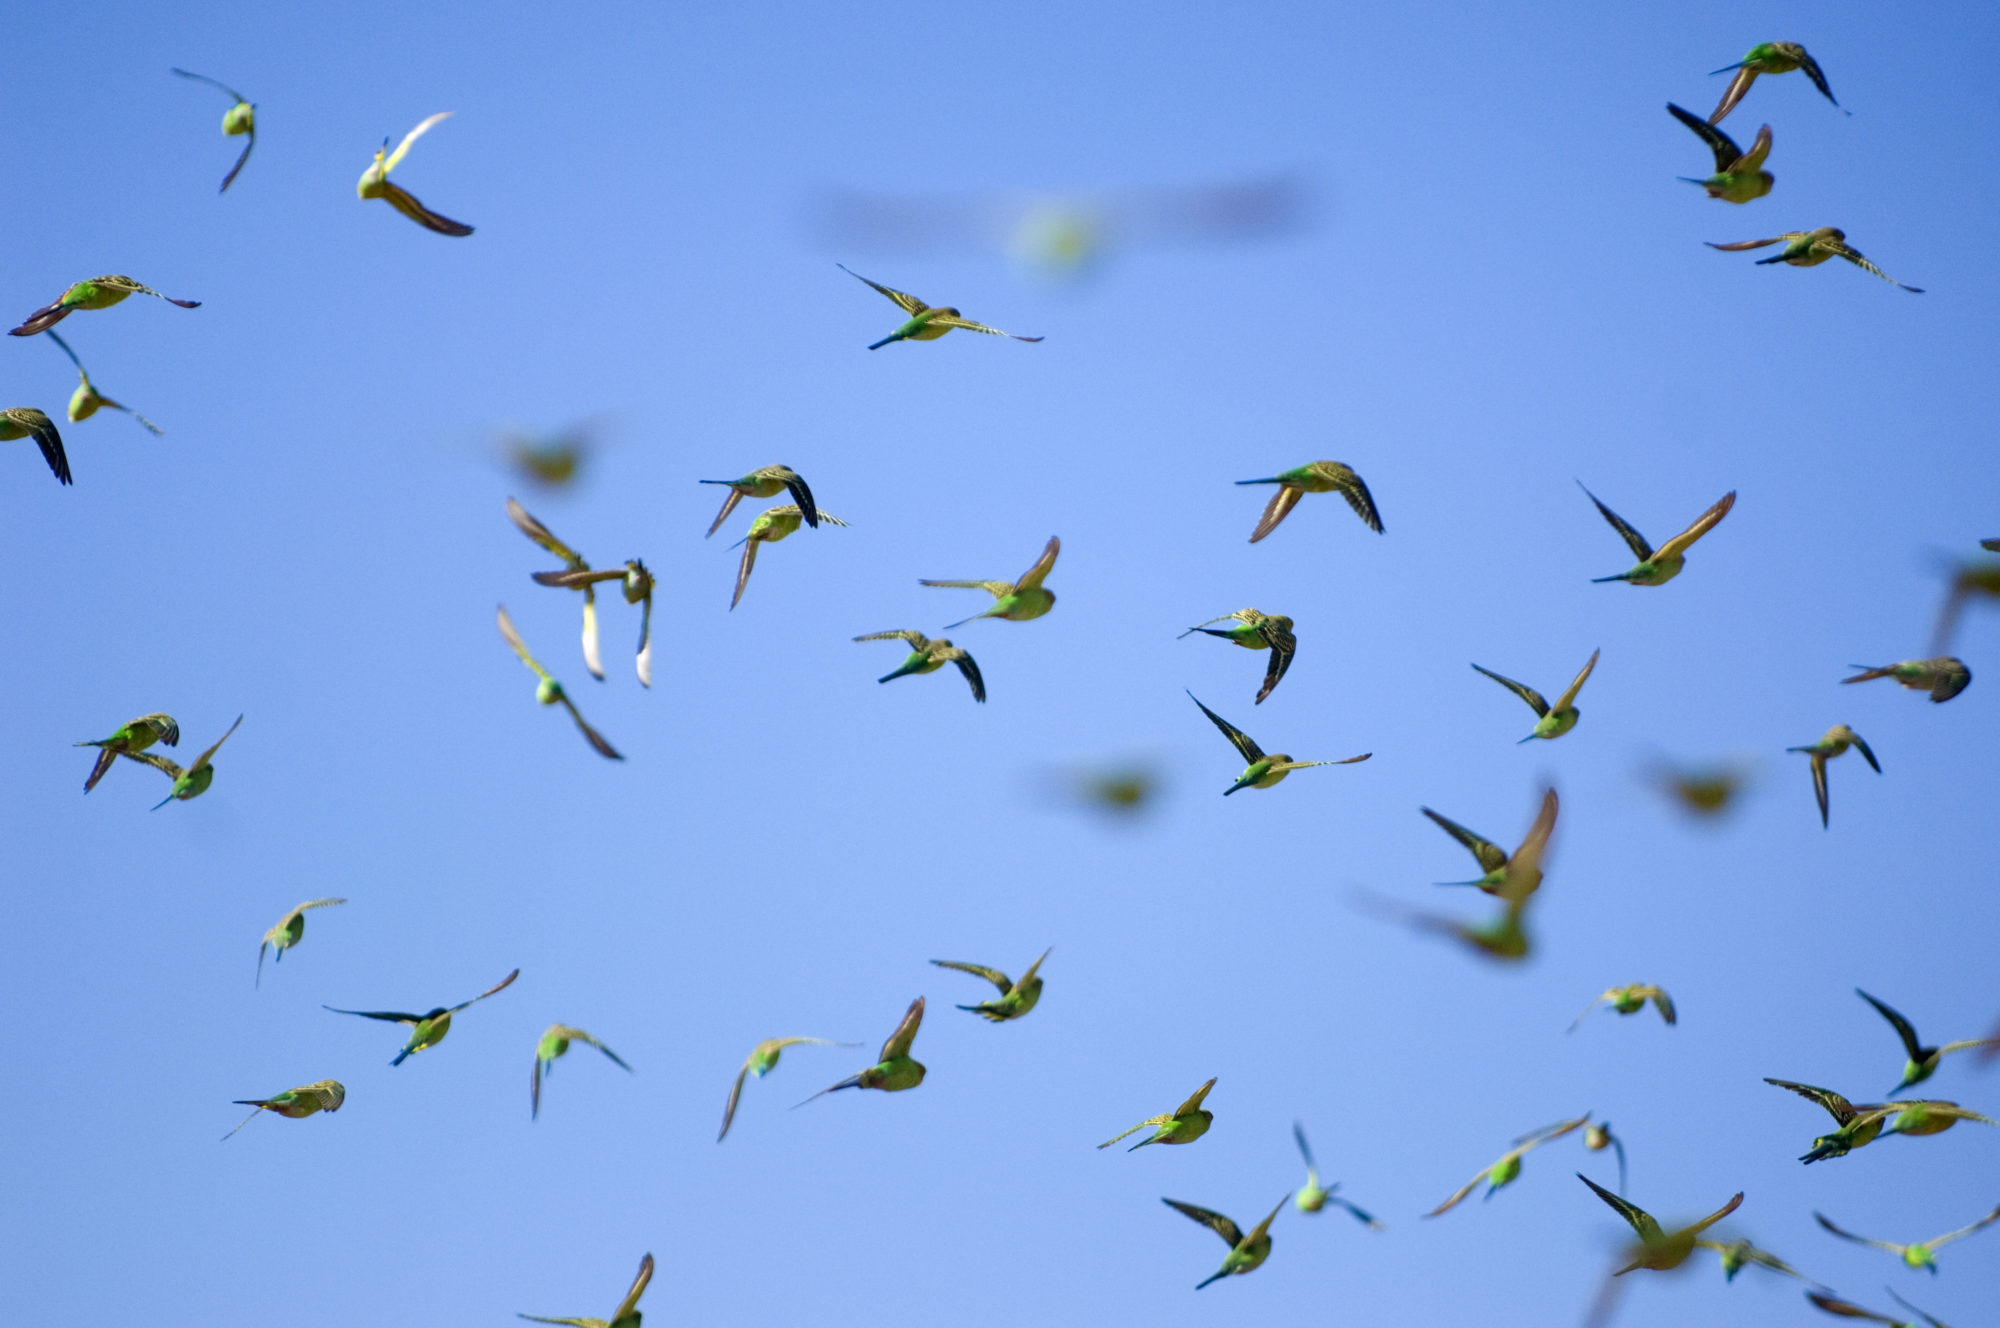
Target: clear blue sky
1501,290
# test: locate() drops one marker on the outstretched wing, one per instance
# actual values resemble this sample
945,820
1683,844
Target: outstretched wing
1283,646
403,148
1900,1024
992,975
970,326
1534,698
590,735
1641,1221
639,1281
1282,502
1241,740
1964,1231
917,640
1735,1202
1701,526
1305,1149
1856,257
900,1041
237,169
406,203
1491,856
499,986
1193,1104
1836,1106
577,580
1568,698
1847,1309
1727,154
1355,490
970,671
1214,1221
1459,1197
514,639
388,1016
1756,244
543,536
1640,549
204,78
909,304
202,760
1032,578
1858,1240
735,1094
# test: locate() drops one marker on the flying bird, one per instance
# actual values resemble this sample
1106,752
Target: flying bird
27,422
1661,1251
1183,1125
1969,579
1859,1126
627,1314
925,323
928,656
1246,1253
895,1069
1739,176
239,120
1314,477
374,183
1658,566
97,293
1631,1000
86,401
1314,1196
1768,58
771,525
574,563
1923,1061
766,482
636,583
1505,938
1811,248
1704,791
1509,875
287,932
553,1046
1831,744
1737,1253
1263,771
427,1029
1016,997
1943,677
1016,601
295,1103
548,691
1847,1309
1256,630
1503,1171
1917,1254
762,1060
134,736
191,782
1552,721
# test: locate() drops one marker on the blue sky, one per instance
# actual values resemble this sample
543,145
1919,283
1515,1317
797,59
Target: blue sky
1500,289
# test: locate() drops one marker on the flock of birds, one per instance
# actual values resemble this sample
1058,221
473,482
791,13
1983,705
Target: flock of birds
1511,877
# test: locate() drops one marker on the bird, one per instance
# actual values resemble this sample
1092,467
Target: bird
762,1060
1183,1125
1263,771
1768,58
239,119
1552,722
1256,630
1831,744
1313,1196
1315,477
191,782
925,323
1739,176
928,656
1737,1253
636,583
1246,1253
287,932
374,183
1016,997
1859,1126
895,1069
27,422
765,482
1503,1171
1847,1309
97,293
1630,1000
1943,676
1811,248
1927,1116
553,461
548,691
1980,578
1517,874
1706,791
86,401
1505,938
133,736
295,1103
1661,1251
1658,566
771,525
575,563
427,1029
1917,1254
1016,601
1923,1061
1597,1137
552,1047
627,1314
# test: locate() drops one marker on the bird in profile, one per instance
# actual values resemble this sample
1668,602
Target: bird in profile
766,482
554,1045
86,401
1314,477
548,691
287,932
1847,1309
1183,1125
762,1060
1658,1250
1923,1061
1016,601
97,293
240,120
574,563
928,656
1016,997
295,1103
1631,1000
1313,1196
1918,1253
134,736
1831,744
1737,1253
1246,1253
1263,771
191,782
1551,721
1768,58
427,1029
1943,676
1504,1171
627,1314
1739,176
1658,566
1597,1137
374,183
1810,249
895,1069
925,323
771,525
27,422
1256,630
1517,874
1859,1126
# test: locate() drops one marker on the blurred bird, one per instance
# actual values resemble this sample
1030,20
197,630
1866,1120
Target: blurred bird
1016,997
1929,1116
134,736
1508,1167
1016,601
1631,1000
1256,630
27,422
1658,566
296,1103
553,1046
1700,790
1245,1252
1660,1251
548,691
1263,771
374,183
1124,790
627,1314
1831,744
1923,1061
1505,938
928,656
240,119
427,1029
895,1070
1554,721
925,323
762,1060
1811,248
1739,176
1516,875
1768,58
573,562
766,482
1859,1126
1737,1253
1314,477
97,293
1183,1125
1943,677
287,932
191,782
1917,1254
86,401
637,585
1313,1196
771,525
1847,1309
1597,1137
552,461
1968,579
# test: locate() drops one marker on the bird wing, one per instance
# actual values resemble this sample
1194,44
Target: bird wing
1539,1137
1902,1026
1859,260
1836,1106
514,640
1283,646
403,148
578,1035
1214,1221
1819,784
1738,85
1459,1197
1813,72
1985,1221
590,735
1663,1003
735,1093
1258,1231
1866,754
1586,1012
906,1032
543,536
1846,1309
593,659
535,1089
1735,1202
1150,1120
155,760
1858,1240
574,1323
970,326
499,986
1193,1104
802,497
967,667
1032,578
1526,693
389,1016
578,579
1527,859
1640,549
316,903
1753,160
1641,1221
406,203
242,157
728,506
202,760
1727,154
1356,492
1033,968
743,567
1241,740
639,1281
997,589
204,78
1568,698
1490,855
1756,244
643,663
992,975
1305,1150
917,640
1282,502
1360,1214
1701,526
909,304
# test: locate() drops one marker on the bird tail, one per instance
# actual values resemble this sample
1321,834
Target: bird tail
162,802
1270,479
1725,69
1213,1277
1867,674
401,1056
883,342
1622,576
901,671
1766,262
247,1119
1529,738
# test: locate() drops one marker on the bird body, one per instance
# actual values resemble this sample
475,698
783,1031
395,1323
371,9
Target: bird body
1313,1196
553,1046
1658,566
1246,1252
1016,601
375,183
1918,1253
1315,477
925,323
1943,676
762,1060
1831,744
428,1029
549,692
27,422
895,1069
1661,1251
288,932
1263,771
1256,630
928,656
1631,1000
1811,248
238,121
1767,58
1739,176
86,401
1504,1171
771,525
766,482
1551,721
1923,1061
1017,997
191,782
135,736
1183,1125
97,293
296,1103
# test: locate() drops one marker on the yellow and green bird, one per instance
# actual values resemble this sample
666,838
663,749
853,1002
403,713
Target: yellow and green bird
1314,477
1847,1309
1831,744
427,1029
1736,1253
1943,676
1661,1251
1016,601
1551,721
1707,790
1631,1000
191,782
1597,1137
627,1314
925,323
240,120
895,1069
134,736
553,1046
86,401
1927,1116
97,293
1246,1252
295,1103
374,183
1263,771
1313,1196
553,461
1256,630
1505,938
1016,997
1739,176
574,563
548,691
1769,58
1923,1061
1658,566
1919,1253
771,525
1811,248
766,482
1508,1167
928,656
762,1060
1859,1126
1517,874
27,422
287,932
636,583
1183,1125
1969,579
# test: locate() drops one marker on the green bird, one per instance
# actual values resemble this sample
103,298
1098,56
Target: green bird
287,932
766,482
1517,874
928,656
1658,566
1256,630
1016,601
1504,1171
1263,771
1811,248
1917,1254
1943,677
1831,744
926,323
553,461
762,1060
1246,1253
1739,176
240,120
548,691
427,1029
374,183
1859,1126
895,1069
27,422
1923,1061
1016,998
1597,1137
553,1046
1504,938
1969,579
625,1316
97,293
574,563
1552,722
1661,1251
637,585
1183,1125
1847,1309
1929,1116
1314,1196
1737,1253
191,782
771,525
295,1103
1631,1000
1768,58
1701,790
86,401
135,736
1314,477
